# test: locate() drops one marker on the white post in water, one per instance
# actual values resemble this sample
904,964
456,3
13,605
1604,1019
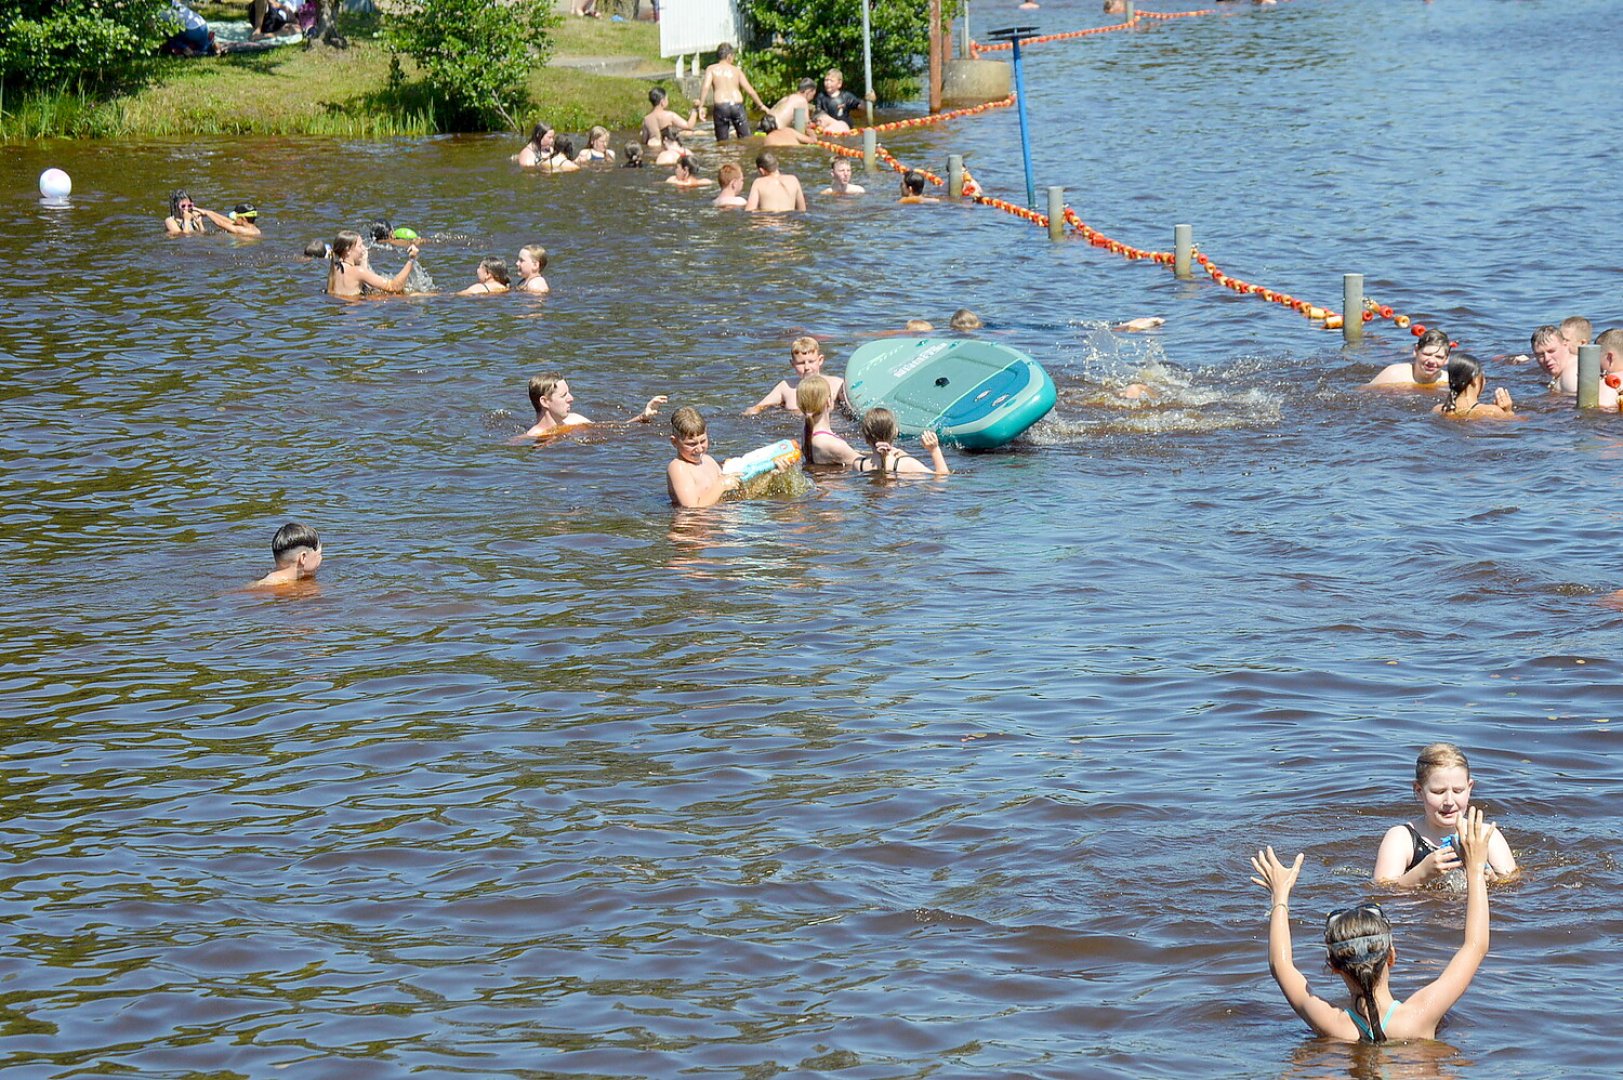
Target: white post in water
955,175
800,119
867,62
1056,213
1130,12
870,149
1352,307
679,66
1183,251
1589,376
695,68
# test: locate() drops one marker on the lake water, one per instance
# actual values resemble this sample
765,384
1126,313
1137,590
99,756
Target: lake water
950,779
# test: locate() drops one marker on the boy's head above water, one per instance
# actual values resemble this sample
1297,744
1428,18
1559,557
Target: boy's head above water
549,392
296,545
689,434
805,356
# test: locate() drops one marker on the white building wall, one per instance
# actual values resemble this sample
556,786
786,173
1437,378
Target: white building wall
694,26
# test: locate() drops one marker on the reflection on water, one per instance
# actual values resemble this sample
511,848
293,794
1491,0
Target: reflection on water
952,777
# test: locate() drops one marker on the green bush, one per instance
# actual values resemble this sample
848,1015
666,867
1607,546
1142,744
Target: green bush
474,55
797,39
59,43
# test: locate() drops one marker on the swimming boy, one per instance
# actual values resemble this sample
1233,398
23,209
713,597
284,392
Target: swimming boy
1557,358
554,407
239,222
693,478
834,104
661,117
1426,371
673,150
731,178
840,184
773,191
726,83
1575,331
806,357
298,555
686,175
913,188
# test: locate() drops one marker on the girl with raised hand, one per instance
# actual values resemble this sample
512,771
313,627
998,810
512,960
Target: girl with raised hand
350,275
1359,943
1415,854
879,429
1466,385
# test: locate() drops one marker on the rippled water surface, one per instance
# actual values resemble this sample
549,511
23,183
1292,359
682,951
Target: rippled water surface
884,780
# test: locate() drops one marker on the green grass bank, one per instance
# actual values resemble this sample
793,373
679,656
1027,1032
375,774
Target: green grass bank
348,92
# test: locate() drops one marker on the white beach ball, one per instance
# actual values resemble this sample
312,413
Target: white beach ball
55,184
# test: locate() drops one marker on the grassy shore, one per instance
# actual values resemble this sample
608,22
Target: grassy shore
322,91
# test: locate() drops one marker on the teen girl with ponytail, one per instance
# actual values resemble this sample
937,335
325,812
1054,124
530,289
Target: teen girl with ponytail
1359,941
1466,385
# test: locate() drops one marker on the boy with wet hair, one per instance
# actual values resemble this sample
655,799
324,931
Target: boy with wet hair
834,104
731,178
1557,358
297,551
1611,351
660,117
1575,331
693,478
1428,370
802,98
806,357
840,171
913,188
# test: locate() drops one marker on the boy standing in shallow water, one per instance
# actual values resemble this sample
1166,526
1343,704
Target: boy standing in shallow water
693,478
806,357
298,556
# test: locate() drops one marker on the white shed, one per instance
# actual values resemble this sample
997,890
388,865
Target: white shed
696,26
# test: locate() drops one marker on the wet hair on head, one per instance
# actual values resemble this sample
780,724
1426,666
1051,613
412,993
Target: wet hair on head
723,51
1430,339
964,319
729,172
380,230
807,84
918,326
1440,755
289,538
669,134
317,249
1582,328
813,398
686,164
657,96
496,268
805,343
175,199
879,425
539,133
836,72
687,423
542,386
768,123
1360,942
1543,334
1462,372
598,132
633,157
344,243
565,146
536,252
913,180
767,161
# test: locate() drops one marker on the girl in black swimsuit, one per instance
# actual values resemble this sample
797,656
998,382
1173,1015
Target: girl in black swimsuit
879,429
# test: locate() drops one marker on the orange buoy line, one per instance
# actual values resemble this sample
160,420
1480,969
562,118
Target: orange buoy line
933,118
976,48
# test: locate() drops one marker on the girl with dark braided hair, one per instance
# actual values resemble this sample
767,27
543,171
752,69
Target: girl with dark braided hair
1466,384
1359,943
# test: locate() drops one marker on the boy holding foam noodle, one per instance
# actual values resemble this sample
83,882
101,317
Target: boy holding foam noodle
806,357
693,478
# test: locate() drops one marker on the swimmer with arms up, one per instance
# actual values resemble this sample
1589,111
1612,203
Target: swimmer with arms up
554,407
1359,943
1425,372
239,222
1411,856
350,275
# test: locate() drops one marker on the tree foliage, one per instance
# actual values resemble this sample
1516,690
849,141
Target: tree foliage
53,44
475,55
793,39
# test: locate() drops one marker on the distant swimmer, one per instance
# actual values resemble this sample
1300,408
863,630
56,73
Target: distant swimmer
555,407
918,326
184,216
297,551
532,259
1360,950
963,320
661,117
726,84
1426,371
686,175
492,278
693,478
238,221
773,191
731,178
819,444
1139,325
1411,855
840,183
672,148
633,158
562,158
913,188
538,149
879,430
1466,385
381,232
349,273
773,135
597,150
806,358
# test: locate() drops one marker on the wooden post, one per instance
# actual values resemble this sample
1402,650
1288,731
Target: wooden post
935,56
955,175
870,149
1589,376
1056,213
1352,307
1183,251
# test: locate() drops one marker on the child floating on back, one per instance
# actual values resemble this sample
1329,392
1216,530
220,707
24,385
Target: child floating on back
554,407
297,551
1411,855
1359,943
806,357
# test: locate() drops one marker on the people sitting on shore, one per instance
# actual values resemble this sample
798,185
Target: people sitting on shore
773,135
731,178
194,38
554,407
184,216
586,9
1466,385
538,149
238,221
532,259
773,191
492,278
562,159
913,188
350,275
686,175
840,183
879,431
1426,371
597,150
661,117
270,18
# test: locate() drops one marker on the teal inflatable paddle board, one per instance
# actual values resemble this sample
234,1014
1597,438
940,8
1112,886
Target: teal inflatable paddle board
974,394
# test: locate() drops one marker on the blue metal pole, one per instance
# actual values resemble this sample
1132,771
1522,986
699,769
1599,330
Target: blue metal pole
1025,134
